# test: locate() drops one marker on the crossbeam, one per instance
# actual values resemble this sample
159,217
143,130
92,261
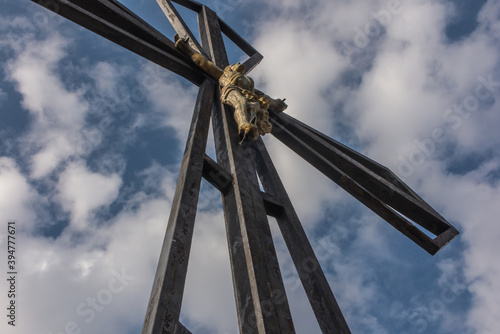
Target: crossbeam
115,22
369,182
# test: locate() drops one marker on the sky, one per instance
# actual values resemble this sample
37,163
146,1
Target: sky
92,137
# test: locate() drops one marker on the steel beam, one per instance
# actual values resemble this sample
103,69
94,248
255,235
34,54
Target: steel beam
180,329
113,21
372,184
261,300
252,62
216,175
164,308
321,298
179,25
193,5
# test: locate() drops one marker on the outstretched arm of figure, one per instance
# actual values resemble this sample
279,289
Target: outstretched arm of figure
277,105
210,68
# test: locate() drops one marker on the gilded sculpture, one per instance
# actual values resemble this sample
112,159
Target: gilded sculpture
238,91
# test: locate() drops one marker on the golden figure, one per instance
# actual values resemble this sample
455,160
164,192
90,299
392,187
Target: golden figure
237,90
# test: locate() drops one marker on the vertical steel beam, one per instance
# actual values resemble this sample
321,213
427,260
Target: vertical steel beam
164,308
260,296
119,25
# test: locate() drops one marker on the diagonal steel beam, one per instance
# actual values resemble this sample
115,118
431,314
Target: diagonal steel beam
164,307
179,25
113,21
236,38
180,329
252,62
255,56
182,29
319,293
261,300
391,190
393,201
372,165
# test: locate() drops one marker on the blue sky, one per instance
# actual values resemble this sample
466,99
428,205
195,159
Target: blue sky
92,138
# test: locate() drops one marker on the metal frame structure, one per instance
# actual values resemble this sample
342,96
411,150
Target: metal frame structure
261,300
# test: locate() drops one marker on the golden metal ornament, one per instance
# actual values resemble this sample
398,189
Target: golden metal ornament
238,91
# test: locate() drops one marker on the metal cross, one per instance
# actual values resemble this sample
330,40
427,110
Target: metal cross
259,291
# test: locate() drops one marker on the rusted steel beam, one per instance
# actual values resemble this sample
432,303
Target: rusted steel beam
164,307
332,148
260,296
114,22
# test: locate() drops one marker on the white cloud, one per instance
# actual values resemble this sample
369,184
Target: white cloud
488,17
209,300
17,197
403,98
73,274
415,76
473,201
81,191
41,89
58,113
295,68
105,76
173,101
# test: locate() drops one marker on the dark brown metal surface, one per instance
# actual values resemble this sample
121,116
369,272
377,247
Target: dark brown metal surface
260,295
164,307
216,175
255,56
113,21
179,25
180,329
321,298
371,183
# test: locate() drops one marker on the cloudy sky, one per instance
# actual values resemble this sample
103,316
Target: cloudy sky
92,137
